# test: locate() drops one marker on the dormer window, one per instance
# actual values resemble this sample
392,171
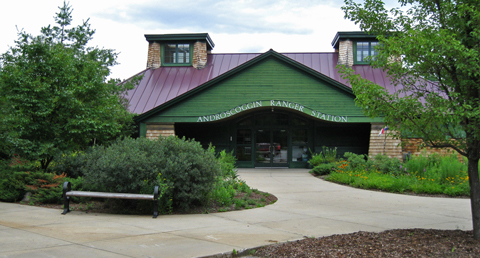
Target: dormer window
177,54
189,49
363,50
354,47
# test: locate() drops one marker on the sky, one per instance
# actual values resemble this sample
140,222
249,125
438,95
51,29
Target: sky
235,26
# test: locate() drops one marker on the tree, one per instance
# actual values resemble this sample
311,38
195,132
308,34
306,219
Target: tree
431,52
54,92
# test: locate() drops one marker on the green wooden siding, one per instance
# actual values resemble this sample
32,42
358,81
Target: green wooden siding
270,79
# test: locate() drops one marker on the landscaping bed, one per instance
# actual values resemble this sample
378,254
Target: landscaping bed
251,200
390,243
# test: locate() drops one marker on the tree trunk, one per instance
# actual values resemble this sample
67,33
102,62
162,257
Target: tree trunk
45,162
474,182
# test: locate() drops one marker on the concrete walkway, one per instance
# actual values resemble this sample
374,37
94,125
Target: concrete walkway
306,206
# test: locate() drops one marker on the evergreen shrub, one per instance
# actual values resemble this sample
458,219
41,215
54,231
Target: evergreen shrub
323,169
135,165
12,184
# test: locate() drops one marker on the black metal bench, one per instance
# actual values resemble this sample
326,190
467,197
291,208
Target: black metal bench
67,193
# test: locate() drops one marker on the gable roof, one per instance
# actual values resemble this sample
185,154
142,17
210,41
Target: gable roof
164,86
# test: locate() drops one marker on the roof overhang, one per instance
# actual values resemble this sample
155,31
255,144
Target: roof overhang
203,37
346,35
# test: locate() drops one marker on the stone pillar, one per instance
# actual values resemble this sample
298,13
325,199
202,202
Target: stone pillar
154,56
199,55
383,144
345,53
155,130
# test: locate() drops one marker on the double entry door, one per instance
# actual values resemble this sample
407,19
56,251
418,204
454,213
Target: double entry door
271,148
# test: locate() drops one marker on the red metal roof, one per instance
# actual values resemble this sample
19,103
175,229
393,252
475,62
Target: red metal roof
163,84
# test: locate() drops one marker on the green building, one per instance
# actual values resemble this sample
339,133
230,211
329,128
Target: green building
272,109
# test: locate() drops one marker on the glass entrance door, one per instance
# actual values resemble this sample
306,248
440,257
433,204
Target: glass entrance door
271,148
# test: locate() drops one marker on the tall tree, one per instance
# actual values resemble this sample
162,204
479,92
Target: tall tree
431,50
54,92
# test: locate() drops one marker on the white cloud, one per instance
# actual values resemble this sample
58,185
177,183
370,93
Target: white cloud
234,25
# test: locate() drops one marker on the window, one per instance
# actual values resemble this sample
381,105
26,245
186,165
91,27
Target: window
364,50
176,54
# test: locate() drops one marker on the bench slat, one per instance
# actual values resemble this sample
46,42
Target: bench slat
110,195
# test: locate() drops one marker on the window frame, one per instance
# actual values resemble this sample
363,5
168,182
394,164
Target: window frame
371,51
190,53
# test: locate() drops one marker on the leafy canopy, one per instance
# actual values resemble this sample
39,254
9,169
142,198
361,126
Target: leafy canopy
431,52
54,93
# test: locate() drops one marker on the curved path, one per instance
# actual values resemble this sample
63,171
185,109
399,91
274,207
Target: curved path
307,207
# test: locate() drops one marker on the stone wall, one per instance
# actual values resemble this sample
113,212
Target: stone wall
154,58
156,130
411,146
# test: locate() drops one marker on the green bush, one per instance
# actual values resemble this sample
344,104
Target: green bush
130,165
223,191
327,155
323,169
386,165
330,154
12,183
356,161
317,159
70,163
16,180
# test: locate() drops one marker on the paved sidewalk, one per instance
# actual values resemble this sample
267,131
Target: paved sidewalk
306,206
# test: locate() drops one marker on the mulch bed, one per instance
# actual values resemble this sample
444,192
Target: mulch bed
390,243
96,206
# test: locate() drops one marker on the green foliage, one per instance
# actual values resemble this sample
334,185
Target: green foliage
434,111
317,159
69,163
323,169
387,165
12,183
129,165
227,164
54,94
431,52
327,155
330,154
441,175
356,161
45,187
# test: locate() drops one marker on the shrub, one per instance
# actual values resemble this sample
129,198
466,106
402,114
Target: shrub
330,154
327,155
388,165
323,169
12,183
17,179
356,161
317,159
69,163
45,187
223,191
130,165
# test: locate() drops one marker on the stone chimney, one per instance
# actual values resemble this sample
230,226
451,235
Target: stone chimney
154,59
200,46
343,44
199,60
345,53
